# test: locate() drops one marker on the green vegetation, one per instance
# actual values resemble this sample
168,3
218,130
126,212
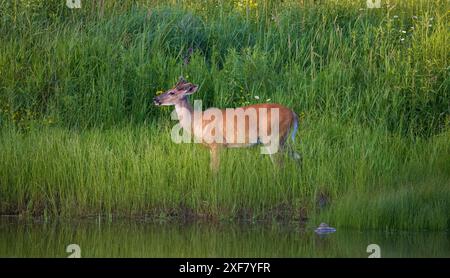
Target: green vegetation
79,135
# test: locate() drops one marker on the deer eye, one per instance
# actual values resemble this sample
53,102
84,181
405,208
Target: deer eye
171,93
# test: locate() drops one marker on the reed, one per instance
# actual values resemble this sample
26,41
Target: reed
79,134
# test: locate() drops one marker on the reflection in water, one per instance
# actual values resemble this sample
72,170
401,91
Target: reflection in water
133,238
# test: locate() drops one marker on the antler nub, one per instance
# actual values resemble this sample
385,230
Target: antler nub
181,80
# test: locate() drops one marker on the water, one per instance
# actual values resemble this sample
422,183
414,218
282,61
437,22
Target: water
134,238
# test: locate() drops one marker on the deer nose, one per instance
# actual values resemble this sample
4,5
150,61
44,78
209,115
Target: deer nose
156,101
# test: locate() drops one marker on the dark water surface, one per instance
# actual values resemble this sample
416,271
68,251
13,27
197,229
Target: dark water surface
134,238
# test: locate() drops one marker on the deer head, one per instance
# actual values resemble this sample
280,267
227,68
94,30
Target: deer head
176,94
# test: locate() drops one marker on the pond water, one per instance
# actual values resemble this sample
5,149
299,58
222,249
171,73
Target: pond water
136,238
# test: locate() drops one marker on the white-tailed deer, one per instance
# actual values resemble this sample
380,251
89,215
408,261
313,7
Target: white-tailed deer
266,124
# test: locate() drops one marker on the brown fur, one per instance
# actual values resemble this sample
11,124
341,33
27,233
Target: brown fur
178,96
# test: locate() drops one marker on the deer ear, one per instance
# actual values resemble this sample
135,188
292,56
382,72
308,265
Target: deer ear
181,80
192,89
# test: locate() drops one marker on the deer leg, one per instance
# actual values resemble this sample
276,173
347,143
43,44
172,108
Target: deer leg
297,157
278,157
214,162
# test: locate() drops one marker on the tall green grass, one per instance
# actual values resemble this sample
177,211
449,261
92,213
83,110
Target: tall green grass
79,134
367,178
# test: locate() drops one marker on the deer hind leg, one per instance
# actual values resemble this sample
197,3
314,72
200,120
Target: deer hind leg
277,158
297,157
285,149
290,149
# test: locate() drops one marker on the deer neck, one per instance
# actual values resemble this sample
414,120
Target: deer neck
185,114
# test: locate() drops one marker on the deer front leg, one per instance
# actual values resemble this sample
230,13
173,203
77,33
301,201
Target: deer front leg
214,162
